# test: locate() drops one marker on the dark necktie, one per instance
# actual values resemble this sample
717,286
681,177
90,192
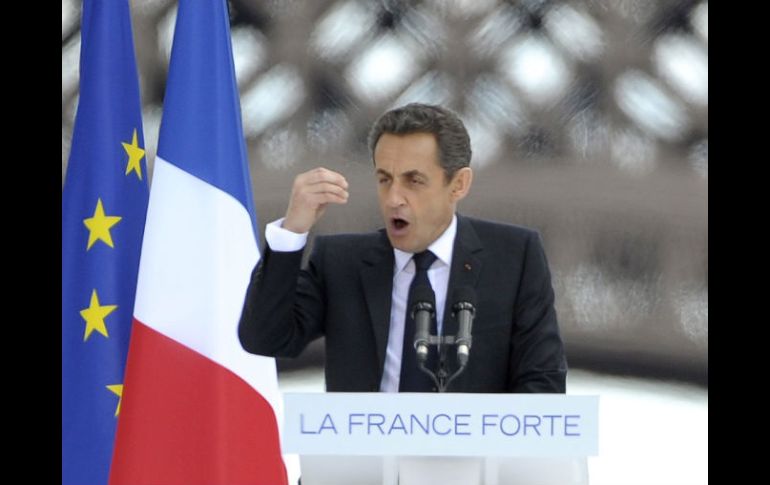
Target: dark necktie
412,378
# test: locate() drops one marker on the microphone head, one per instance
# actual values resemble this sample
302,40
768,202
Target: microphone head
464,294
423,294
422,351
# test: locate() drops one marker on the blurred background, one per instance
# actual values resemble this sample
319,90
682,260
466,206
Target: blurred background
588,122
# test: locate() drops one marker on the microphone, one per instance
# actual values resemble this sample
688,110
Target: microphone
424,301
464,310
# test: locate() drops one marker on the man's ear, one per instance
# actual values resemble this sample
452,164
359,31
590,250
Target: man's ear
461,183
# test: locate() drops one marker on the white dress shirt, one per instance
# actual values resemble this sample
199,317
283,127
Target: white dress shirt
280,239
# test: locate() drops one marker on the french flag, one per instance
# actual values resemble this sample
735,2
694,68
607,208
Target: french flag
197,408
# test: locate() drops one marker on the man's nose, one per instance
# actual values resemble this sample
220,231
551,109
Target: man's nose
395,197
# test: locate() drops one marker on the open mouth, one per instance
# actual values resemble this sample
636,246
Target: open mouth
399,223
398,226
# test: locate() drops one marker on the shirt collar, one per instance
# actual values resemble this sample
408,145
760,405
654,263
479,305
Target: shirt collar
441,247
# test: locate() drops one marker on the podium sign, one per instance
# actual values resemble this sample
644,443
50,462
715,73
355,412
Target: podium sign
440,424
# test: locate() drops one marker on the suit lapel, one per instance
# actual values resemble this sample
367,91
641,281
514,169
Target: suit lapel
466,268
377,281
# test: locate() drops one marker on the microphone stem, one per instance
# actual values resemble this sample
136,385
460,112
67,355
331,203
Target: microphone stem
422,367
452,377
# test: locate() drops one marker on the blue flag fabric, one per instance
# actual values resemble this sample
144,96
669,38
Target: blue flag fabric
202,131
104,204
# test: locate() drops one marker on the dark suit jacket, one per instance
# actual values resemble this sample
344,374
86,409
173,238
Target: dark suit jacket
345,294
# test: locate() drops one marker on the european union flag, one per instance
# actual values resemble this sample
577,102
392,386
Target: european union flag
104,204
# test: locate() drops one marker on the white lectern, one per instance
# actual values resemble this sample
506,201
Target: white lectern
446,439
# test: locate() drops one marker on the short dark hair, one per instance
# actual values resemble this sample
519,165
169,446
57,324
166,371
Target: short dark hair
454,144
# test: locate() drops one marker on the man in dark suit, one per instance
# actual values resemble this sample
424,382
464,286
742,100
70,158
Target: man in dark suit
356,289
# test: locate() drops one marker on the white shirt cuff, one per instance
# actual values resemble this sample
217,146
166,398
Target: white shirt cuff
283,240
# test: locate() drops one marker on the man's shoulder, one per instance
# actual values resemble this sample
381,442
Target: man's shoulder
489,228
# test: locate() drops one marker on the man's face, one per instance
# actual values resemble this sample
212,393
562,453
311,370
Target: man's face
416,202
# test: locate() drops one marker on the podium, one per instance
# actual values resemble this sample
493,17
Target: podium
441,438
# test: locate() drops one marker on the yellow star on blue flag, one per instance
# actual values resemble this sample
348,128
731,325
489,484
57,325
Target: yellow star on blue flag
135,154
